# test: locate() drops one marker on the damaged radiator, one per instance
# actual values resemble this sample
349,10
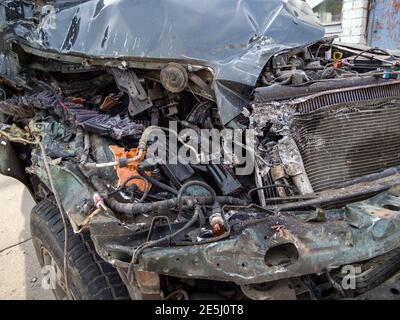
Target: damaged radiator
346,134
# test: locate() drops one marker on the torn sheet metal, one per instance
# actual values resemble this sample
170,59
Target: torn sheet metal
368,228
77,199
234,38
117,126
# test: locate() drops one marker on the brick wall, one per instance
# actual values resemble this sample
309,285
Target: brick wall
354,21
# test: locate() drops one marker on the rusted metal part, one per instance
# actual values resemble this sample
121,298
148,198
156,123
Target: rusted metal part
277,174
174,77
109,102
141,285
148,284
293,164
254,254
217,225
275,290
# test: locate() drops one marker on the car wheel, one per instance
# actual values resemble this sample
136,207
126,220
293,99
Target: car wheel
89,276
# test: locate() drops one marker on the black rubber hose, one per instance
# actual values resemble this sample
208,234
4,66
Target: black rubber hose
184,202
196,183
232,201
155,182
191,222
114,204
140,208
123,186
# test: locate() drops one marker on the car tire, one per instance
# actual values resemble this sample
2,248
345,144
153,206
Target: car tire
89,276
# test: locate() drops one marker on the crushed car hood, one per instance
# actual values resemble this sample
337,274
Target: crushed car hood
234,38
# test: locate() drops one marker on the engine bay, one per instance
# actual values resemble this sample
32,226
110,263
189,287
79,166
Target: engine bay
188,201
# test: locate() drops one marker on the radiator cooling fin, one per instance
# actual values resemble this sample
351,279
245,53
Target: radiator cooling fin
343,135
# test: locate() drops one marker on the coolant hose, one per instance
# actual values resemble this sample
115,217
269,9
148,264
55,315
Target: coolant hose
155,182
206,186
154,243
186,202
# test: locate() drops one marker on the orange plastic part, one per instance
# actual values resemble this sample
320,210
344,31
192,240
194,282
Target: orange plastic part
125,173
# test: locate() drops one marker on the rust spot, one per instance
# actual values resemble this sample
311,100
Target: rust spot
78,100
383,214
218,229
396,4
277,228
109,103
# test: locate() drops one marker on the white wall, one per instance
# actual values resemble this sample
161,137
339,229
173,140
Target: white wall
353,28
354,21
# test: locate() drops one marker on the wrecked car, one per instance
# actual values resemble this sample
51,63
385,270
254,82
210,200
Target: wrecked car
204,150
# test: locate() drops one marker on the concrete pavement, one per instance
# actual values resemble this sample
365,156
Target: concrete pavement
20,276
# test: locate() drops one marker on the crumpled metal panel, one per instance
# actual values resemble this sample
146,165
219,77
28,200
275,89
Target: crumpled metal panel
77,199
233,37
359,232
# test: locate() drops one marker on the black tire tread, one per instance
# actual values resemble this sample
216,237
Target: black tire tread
100,279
